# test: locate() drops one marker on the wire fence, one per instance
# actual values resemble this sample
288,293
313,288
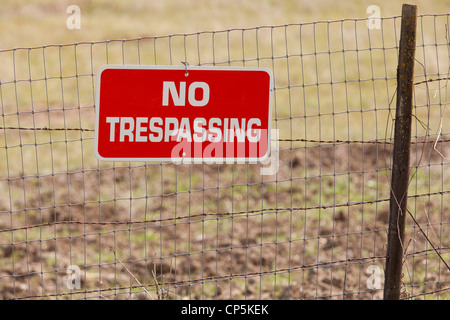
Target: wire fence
72,227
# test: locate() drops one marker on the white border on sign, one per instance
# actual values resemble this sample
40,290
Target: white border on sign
183,160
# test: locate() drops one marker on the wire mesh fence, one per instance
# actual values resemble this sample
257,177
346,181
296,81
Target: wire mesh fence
72,227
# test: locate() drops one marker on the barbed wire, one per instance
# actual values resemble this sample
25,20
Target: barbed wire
217,214
46,129
218,277
191,282
337,141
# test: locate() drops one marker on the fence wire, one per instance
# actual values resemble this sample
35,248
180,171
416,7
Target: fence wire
72,227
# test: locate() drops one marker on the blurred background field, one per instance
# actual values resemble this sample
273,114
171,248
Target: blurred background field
219,231
35,23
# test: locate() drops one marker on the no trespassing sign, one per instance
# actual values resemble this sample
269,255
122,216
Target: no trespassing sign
165,113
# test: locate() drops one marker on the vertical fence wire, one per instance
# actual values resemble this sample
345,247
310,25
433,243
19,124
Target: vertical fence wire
316,228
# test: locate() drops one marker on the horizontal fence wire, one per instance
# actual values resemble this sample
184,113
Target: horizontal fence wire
74,227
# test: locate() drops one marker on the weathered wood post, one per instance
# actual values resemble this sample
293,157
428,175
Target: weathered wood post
401,154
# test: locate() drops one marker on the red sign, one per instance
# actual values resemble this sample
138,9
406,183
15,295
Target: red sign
209,114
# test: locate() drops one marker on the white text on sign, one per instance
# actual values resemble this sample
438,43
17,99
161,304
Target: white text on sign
156,129
179,98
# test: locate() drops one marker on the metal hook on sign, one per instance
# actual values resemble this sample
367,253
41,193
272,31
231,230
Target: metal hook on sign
186,64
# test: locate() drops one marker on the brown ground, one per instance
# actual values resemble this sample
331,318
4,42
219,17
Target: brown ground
264,250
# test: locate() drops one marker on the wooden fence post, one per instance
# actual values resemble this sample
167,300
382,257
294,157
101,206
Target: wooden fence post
401,154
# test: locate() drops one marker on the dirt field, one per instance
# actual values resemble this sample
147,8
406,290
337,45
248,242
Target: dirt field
277,244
